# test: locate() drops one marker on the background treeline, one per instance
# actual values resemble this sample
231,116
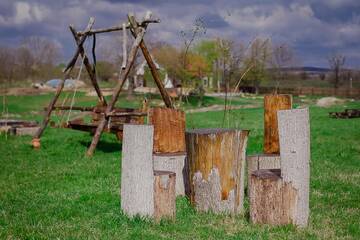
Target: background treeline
216,64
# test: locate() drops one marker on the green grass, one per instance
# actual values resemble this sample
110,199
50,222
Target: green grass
57,193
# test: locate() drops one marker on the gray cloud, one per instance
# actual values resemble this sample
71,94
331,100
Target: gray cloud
313,28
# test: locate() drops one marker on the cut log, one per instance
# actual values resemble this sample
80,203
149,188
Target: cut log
216,167
137,176
22,131
164,194
175,163
273,103
261,161
294,133
169,130
272,201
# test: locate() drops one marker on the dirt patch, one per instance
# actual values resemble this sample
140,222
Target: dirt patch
329,101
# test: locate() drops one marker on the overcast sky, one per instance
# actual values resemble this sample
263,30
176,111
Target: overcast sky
314,28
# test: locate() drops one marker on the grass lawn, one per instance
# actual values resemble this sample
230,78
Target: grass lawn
58,193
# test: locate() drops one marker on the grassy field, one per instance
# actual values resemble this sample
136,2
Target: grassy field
57,193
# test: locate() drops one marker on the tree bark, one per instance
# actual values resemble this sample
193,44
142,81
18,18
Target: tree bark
216,167
137,176
164,195
169,130
272,201
294,133
173,162
261,161
273,103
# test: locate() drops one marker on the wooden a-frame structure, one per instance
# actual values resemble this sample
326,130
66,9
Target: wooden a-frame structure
138,30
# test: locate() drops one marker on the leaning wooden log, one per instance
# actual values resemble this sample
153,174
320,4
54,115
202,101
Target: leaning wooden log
137,176
154,72
164,195
88,67
272,201
169,130
294,134
273,103
173,162
116,92
261,161
348,113
57,94
216,167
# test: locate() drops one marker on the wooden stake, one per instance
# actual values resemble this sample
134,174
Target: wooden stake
273,103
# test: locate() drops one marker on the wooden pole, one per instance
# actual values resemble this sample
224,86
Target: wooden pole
116,92
137,176
294,133
169,130
216,167
164,195
36,138
165,96
273,103
88,67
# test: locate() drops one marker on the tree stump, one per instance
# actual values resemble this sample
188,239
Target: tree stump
137,176
216,167
294,133
261,161
169,130
173,162
164,194
273,103
272,201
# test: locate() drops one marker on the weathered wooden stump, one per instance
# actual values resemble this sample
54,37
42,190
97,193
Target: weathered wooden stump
294,133
216,167
173,162
261,161
164,194
169,130
282,196
273,103
272,201
137,176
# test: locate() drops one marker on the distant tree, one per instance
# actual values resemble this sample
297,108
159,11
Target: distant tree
282,57
7,64
336,62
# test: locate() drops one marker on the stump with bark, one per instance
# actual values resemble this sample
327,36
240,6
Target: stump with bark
169,130
216,168
164,194
137,176
261,161
272,201
273,103
173,162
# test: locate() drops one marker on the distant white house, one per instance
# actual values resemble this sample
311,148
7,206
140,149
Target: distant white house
140,71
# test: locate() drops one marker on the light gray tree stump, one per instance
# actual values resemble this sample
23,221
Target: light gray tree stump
137,176
261,161
294,134
172,162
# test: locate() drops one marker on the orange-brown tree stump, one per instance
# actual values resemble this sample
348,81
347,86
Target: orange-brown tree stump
164,195
216,169
169,130
272,201
273,103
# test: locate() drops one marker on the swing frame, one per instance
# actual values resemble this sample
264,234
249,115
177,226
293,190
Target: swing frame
106,110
